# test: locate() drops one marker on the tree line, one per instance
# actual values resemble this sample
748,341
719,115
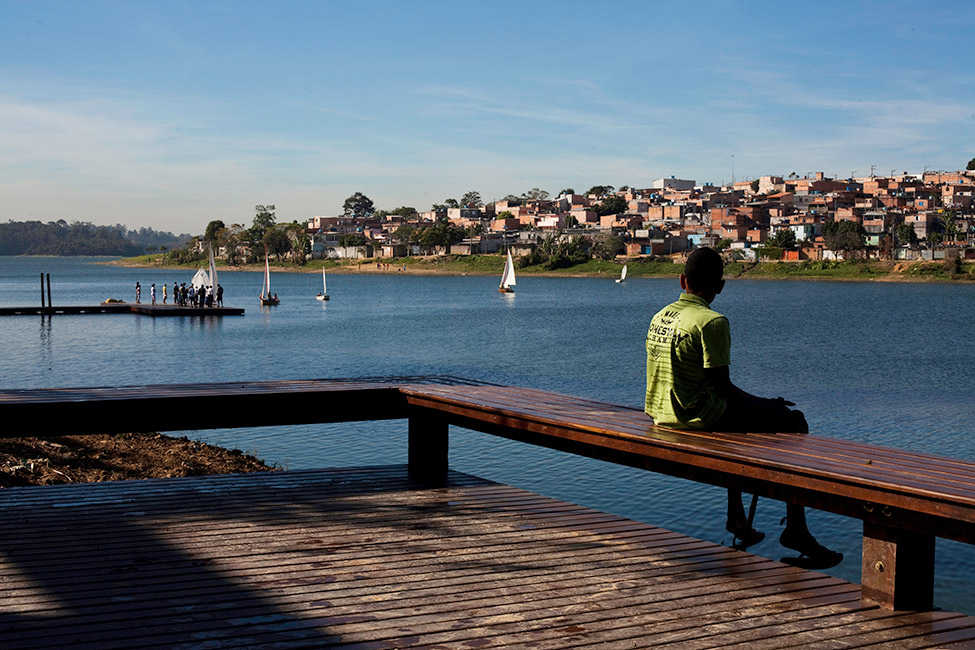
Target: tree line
81,238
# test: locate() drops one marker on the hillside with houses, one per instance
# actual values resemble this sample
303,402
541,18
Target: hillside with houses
901,217
812,217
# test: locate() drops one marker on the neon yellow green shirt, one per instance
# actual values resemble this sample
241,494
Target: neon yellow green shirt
684,338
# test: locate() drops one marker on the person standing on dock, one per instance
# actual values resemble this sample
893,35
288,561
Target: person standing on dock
689,387
164,294
152,292
138,293
219,295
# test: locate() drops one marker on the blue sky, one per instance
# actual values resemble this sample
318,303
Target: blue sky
170,114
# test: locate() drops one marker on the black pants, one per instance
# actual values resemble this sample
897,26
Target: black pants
750,414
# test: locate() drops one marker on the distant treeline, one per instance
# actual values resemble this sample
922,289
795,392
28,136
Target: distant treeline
82,238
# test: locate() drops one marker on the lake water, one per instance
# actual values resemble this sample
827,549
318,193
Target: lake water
884,363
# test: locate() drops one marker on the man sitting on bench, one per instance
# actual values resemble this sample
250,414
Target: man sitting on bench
689,387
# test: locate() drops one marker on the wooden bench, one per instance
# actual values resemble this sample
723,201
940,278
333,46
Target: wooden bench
905,499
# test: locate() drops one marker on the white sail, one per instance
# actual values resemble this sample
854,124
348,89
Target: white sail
213,272
508,277
201,279
623,273
324,294
266,291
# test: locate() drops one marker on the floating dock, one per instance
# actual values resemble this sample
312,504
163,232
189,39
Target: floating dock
47,307
123,308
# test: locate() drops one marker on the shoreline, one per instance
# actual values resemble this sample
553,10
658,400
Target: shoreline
919,272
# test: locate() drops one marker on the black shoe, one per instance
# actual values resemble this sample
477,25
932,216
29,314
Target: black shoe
812,554
744,535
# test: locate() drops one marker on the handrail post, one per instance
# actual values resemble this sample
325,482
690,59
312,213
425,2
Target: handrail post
898,568
428,444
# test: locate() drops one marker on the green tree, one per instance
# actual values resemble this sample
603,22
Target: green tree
906,235
754,185
971,165
567,191
535,194
606,246
210,235
784,238
264,218
299,242
844,236
351,239
471,199
405,211
254,238
442,236
951,225
614,204
600,190
232,240
564,252
277,241
405,234
358,205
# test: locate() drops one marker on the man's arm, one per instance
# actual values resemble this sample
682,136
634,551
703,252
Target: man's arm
720,379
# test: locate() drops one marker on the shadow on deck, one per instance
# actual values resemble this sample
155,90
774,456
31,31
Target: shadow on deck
366,558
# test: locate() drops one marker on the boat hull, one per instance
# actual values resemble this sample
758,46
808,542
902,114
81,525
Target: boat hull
505,290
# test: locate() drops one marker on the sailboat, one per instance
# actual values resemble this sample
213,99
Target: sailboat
622,277
508,277
324,294
266,297
213,277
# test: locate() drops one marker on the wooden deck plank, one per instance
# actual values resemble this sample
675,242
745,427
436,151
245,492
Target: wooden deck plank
365,558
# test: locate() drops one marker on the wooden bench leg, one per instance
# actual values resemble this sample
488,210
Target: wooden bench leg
898,568
428,438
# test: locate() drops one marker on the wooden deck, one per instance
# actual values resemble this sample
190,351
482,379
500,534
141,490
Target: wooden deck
365,558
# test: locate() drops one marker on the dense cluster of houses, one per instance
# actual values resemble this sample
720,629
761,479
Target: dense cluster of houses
674,215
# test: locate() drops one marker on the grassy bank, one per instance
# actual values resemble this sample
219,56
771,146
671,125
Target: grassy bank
939,271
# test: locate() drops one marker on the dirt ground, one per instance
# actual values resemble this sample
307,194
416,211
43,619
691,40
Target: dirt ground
93,458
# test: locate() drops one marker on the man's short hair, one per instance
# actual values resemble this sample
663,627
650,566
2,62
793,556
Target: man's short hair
704,269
